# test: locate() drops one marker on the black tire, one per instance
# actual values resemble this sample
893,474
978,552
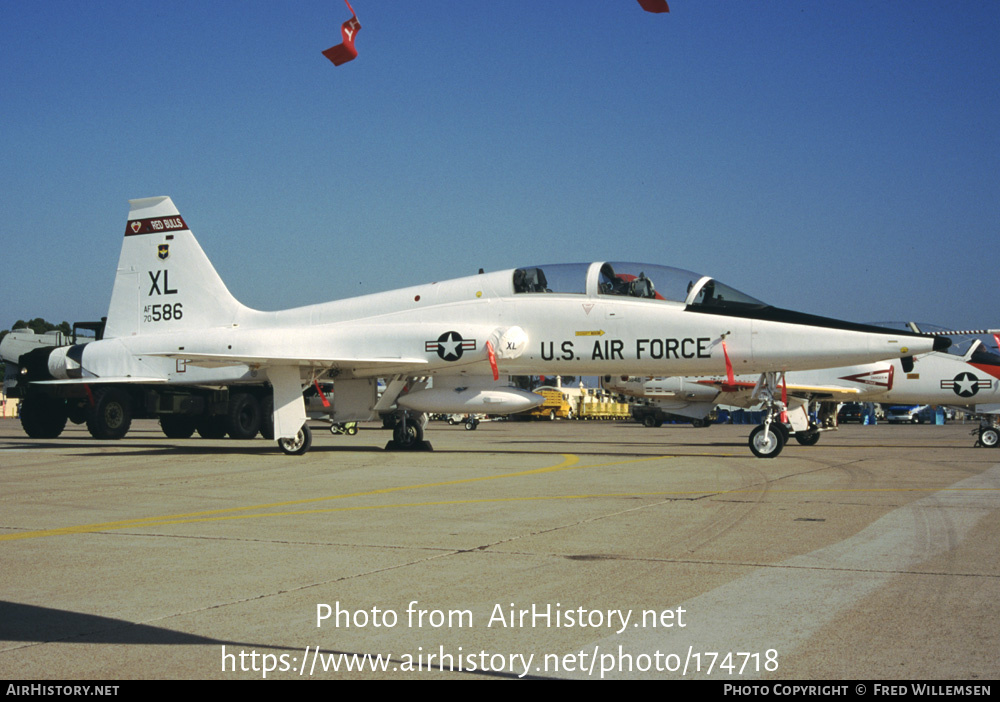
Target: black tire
807,438
989,437
177,426
766,444
471,425
410,437
352,430
785,433
43,417
212,426
299,445
243,420
111,415
267,417
76,412
649,421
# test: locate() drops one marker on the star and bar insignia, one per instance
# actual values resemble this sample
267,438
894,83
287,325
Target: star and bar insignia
450,346
966,384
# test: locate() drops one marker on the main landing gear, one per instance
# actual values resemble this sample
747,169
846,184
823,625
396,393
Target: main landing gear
299,444
408,433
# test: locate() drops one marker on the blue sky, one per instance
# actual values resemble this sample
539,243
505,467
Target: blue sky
836,158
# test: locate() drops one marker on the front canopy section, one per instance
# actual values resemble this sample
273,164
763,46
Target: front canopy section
644,281
708,292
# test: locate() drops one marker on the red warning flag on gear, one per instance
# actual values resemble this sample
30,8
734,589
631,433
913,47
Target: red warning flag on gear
654,5
342,53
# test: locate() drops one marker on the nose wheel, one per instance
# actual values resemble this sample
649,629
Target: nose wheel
989,437
807,438
766,440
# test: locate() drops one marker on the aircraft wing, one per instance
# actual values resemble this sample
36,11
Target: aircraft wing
99,381
830,392
356,363
991,408
284,375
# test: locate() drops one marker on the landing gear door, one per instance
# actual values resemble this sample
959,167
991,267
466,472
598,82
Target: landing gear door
354,399
289,407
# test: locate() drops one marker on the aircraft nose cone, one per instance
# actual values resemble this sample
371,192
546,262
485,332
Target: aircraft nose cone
941,343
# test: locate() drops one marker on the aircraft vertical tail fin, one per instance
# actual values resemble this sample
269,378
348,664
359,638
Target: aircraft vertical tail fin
165,282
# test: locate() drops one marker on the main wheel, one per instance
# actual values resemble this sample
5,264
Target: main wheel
408,437
649,421
766,444
43,417
989,437
111,415
299,445
243,420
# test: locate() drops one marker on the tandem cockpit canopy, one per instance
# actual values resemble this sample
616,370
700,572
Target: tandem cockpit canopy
637,280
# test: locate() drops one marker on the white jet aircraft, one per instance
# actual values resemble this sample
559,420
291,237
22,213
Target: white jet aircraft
178,346
969,380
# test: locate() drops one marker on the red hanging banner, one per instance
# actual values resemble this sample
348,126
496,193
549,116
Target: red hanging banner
654,5
342,53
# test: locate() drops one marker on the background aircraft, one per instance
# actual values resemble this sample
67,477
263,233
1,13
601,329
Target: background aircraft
967,377
178,346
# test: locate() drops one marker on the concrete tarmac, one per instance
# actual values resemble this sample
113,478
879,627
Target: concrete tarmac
550,549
